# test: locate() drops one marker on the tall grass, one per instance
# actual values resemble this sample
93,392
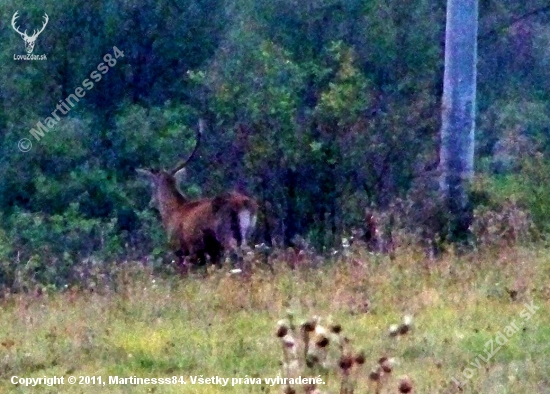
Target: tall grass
138,323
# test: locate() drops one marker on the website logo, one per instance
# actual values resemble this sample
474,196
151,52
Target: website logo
30,41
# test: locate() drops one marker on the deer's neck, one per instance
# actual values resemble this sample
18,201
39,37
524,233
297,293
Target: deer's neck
170,201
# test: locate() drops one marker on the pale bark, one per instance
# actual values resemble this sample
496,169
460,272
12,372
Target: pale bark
458,112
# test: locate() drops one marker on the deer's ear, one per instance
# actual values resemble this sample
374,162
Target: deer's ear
180,174
147,174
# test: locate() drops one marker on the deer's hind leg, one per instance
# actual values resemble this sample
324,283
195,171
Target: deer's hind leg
182,263
213,247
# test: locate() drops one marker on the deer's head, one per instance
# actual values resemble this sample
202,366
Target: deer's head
165,182
29,40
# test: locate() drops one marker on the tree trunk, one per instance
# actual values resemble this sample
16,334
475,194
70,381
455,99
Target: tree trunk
458,114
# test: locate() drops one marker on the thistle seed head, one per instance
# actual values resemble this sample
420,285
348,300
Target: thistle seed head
335,328
375,374
345,362
321,341
360,358
309,325
385,364
405,385
282,329
403,329
394,330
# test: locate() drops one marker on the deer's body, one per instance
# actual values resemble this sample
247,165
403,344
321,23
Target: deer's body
207,226
203,227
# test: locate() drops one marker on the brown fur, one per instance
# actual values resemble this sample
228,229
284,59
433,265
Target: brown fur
197,228
201,227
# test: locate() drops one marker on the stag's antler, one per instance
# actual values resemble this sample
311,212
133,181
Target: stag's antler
15,16
183,163
24,34
46,19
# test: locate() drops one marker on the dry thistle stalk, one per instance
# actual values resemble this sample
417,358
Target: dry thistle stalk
375,376
289,347
348,363
380,374
319,346
346,360
289,390
307,328
290,317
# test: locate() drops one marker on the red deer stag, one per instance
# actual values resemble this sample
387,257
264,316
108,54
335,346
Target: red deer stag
203,227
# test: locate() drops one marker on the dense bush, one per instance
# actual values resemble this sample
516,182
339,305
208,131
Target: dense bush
318,109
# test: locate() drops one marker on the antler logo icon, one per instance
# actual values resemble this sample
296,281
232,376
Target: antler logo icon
29,40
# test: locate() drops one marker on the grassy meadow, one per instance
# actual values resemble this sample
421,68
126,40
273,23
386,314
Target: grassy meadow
154,325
